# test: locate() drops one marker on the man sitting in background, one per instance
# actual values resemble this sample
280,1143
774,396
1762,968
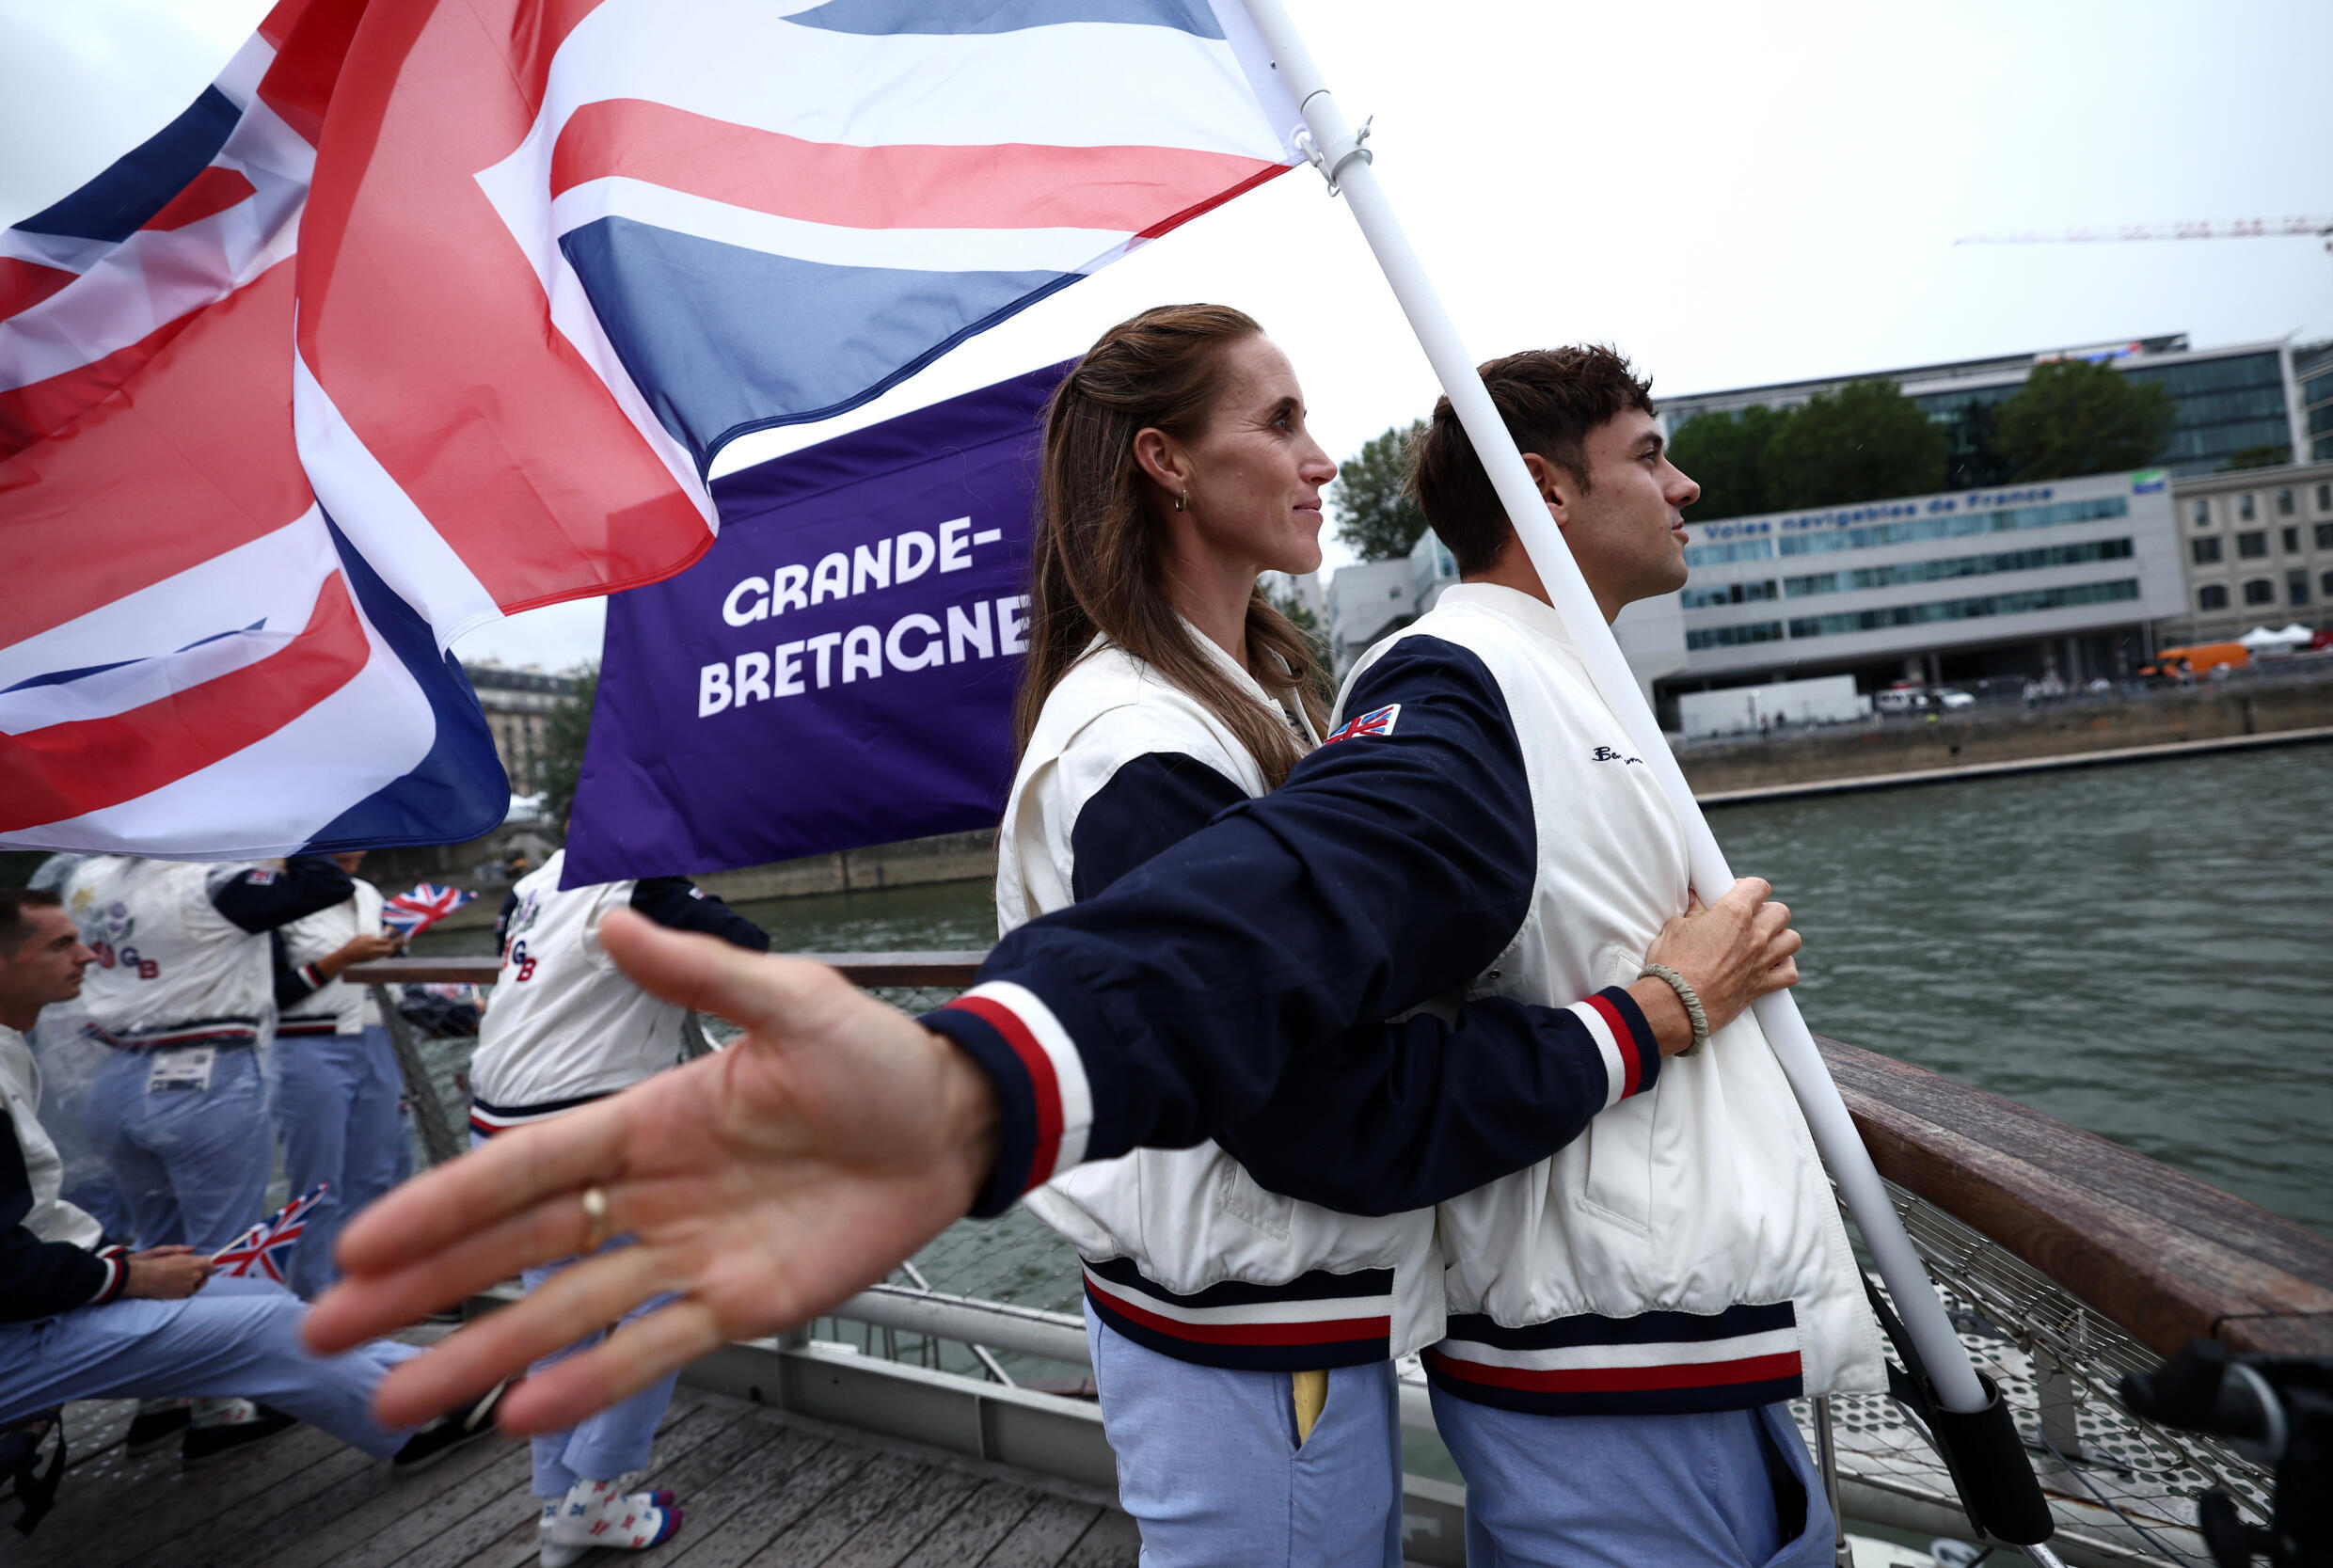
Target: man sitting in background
80,1320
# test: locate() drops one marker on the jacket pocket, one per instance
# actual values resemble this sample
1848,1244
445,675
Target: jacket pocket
1618,1185
1240,1197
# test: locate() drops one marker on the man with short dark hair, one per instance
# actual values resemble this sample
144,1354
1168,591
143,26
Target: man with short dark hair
81,1320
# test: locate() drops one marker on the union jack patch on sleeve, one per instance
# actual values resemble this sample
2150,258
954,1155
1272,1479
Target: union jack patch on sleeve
1377,721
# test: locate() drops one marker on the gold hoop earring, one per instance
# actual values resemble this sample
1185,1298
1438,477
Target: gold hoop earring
1181,500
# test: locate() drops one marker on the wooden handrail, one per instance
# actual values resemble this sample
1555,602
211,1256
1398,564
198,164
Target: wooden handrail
2160,1255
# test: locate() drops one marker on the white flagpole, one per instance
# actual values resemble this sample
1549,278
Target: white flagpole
1345,163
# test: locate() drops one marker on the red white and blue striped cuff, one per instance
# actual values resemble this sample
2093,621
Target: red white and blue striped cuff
1041,1088
117,1262
1624,1038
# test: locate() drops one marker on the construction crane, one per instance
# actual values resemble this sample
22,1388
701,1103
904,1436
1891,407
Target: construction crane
2241,228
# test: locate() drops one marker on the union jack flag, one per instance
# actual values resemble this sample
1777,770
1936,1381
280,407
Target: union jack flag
1377,721
428,311
417,910
260,1245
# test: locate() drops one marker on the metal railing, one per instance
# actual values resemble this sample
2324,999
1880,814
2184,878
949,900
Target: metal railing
2123,1489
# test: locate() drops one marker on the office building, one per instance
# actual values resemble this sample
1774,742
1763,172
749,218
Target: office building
519,704
2065,578
2313,366
2256,548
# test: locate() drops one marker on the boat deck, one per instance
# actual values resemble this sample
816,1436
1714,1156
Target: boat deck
758,1487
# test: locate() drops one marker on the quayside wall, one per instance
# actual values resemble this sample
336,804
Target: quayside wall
1985,736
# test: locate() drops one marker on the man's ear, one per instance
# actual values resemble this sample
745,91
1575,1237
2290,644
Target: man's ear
1555,486
1161,457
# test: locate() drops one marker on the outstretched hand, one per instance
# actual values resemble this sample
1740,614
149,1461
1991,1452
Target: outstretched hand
762,1185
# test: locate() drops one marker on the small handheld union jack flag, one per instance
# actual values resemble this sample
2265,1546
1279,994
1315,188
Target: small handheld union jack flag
409,914
262,1245
1377,722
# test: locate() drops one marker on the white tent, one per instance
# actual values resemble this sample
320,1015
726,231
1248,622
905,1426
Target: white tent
2260,638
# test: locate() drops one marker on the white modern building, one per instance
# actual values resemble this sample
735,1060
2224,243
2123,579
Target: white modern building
2064,578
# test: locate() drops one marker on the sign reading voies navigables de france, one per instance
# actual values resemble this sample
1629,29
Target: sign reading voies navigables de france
840,669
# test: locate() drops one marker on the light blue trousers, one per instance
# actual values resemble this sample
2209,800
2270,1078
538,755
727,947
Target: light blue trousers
233,1338
617,1440
193,1164
1624,1491
1209,1466
336,1117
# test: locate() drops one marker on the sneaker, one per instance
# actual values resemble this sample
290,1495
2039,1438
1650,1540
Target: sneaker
227,1426
551,1554
594,1513
446,1433
157,1421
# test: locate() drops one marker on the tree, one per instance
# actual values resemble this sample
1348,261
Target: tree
1864,442
1324,658
1376,514
565,728
2273,455
2073,418
1725,456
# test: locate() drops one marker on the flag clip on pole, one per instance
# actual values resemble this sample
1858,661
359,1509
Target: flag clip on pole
1341,156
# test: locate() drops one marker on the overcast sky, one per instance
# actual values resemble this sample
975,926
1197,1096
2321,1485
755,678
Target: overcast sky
1730,194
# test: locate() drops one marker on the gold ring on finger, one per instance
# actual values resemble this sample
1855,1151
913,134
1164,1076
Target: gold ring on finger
594,1218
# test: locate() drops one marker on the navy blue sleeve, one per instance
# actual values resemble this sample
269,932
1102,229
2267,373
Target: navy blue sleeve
262,900
38,1279
1390,868
294,983
680,904
1151,804
1389,1116
1406,1116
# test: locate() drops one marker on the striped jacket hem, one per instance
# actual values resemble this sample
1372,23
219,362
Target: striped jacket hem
487,1119
1317,1319
203,1031
1656,1363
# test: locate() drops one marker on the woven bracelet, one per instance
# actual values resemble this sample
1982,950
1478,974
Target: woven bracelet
1686,994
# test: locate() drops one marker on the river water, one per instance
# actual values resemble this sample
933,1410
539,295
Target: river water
2144,951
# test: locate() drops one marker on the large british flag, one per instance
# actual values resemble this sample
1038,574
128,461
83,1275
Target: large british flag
428,312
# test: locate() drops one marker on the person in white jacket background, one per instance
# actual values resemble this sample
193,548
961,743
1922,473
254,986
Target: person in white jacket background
564,1027
333,1072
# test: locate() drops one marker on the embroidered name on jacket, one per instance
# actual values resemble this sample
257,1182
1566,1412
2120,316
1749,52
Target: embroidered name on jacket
1605,754
1376,722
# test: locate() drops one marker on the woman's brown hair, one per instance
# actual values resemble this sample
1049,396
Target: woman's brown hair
1096,566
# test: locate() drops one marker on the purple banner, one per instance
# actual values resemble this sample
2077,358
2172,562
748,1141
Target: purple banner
839,670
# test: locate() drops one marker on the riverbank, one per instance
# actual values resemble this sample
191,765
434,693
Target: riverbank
1958,744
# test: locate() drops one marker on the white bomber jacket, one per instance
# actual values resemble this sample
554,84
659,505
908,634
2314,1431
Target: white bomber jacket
311,1004
564,1026
183,956
1687,1253
1183,1250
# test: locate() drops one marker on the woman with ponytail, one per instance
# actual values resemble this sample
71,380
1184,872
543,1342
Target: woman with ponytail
1242,1342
